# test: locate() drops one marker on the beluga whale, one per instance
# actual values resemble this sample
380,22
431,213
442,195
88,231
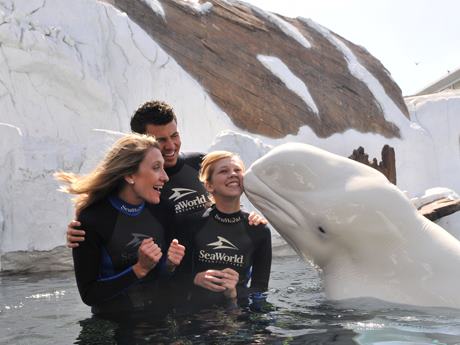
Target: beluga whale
358,229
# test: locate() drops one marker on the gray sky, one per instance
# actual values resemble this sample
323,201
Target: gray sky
418,41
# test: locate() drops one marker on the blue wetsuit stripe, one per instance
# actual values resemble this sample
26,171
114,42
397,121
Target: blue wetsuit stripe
126,271
106,269
248,277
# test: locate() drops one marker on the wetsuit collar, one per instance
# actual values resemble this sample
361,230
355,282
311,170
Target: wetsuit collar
179,164
226,218
125,208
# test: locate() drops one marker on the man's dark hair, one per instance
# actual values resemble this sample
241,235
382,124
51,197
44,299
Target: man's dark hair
154,113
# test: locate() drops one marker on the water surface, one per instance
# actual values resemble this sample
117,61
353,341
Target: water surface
46,309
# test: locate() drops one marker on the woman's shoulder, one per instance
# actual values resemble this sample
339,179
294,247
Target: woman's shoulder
263,228
96,213
258,230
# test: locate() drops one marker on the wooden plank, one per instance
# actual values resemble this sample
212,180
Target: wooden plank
440,208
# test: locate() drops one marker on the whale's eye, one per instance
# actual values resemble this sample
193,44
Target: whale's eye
321,229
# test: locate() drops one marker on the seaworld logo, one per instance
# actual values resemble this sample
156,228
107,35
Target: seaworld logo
137,239
227,220
236,259
219,257
187,205
179,193
222,243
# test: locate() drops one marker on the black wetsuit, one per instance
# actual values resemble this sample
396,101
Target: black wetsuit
228,241
184,192
186,197
103,262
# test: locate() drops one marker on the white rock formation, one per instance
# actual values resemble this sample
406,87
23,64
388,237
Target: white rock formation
67,68
71,74
438,114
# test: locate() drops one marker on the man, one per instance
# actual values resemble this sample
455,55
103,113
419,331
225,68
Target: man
184,192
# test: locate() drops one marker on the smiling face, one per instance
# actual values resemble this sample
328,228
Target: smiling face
168,138
226,180
146,183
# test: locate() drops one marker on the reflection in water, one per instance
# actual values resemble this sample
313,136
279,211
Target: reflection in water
295,314
97,331
216,326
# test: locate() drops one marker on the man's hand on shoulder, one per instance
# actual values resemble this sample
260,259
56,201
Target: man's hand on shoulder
256,219
74,236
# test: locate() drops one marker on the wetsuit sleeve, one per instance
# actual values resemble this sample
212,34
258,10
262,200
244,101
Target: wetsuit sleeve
262,259
87,259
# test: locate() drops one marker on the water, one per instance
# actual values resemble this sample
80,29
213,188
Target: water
46,309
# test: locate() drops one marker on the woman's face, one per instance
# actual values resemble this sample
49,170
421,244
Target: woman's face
150,177
227,178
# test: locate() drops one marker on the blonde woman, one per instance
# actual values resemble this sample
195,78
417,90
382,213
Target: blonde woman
226,251
120,265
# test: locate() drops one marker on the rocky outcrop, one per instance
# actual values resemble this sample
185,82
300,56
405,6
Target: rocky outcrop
387,166
222,44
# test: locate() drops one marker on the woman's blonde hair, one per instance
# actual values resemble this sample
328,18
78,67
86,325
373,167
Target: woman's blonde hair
207,165
123,158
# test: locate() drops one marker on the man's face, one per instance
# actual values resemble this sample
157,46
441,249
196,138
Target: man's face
169,139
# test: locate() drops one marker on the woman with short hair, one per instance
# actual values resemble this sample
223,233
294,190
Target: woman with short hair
226,252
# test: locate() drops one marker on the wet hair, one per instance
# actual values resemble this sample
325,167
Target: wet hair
152,112
122,159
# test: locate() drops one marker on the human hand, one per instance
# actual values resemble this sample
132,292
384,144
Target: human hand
256,219
73,235
176,253
230,280
218,281
210,280
149,254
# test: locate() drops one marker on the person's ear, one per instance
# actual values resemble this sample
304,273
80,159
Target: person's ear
209,187
129,179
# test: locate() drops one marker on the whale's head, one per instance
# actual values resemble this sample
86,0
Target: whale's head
352,223
324,204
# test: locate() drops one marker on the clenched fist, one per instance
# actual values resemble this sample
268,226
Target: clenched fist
149,254
176,253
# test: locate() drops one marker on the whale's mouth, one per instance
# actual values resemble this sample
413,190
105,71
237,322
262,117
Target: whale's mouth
286,207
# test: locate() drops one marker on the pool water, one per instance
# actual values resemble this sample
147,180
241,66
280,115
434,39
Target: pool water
46,309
